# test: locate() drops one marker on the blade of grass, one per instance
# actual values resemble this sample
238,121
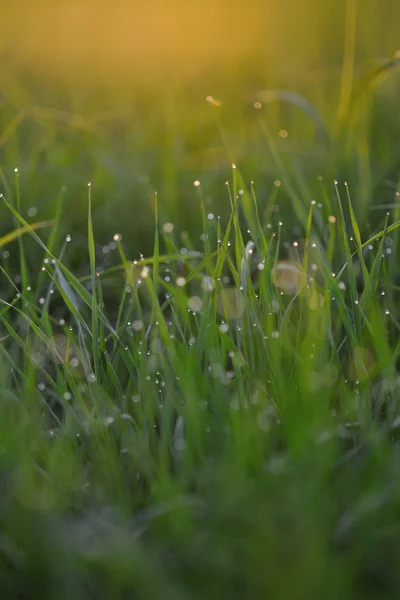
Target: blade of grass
95,318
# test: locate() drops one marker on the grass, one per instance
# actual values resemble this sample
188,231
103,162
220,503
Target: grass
219,416
233,430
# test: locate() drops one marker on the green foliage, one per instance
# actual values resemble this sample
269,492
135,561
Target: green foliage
221,435
207,404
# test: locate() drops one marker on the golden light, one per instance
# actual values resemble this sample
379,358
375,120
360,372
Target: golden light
121,38
126,41
213,101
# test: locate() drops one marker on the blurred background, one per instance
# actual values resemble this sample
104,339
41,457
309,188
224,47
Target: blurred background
115,93
110,42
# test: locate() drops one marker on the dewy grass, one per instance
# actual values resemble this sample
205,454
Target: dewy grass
220,417
227,428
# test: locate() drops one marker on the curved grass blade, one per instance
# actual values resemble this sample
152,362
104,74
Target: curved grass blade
372,77
17,233
295,99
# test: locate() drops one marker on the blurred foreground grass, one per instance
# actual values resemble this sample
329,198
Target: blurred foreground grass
199,357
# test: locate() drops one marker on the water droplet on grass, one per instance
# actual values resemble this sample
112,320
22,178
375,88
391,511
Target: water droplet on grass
168,227
208,283
195,304
287,276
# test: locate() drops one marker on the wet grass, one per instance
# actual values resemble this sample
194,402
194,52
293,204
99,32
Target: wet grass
218,416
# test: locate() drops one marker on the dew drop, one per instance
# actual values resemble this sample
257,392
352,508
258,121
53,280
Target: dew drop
195,304
168,227
137,325
208,283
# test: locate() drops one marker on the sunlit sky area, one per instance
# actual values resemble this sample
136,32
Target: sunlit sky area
103,39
